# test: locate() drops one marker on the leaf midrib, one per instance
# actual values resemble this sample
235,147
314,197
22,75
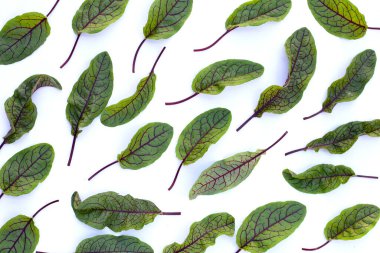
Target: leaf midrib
98,14
21,233
264,13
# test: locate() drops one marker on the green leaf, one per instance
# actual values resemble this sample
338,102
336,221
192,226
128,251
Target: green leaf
113,244
349,87
90,94
21,36
302,54
166,18
94,16
339,17
321,178
344,137
20,109
26,169
19,235
114,211
203,131
204,233
258,12
268,225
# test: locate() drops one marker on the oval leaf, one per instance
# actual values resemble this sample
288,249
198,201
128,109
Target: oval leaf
214,78
166,18
319,179
258,12
26,169
204,233
95,15
19,235
268,225
339,17
113,244
21,36
20,109
114,211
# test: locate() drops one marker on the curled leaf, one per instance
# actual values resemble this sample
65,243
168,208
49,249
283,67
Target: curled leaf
302,54
343,138
268,225
114,211
254,13
349,87
113,244
146,146
204,233
321,178
26,169
216,77
89,95
20,109
203,131
351,224
94,16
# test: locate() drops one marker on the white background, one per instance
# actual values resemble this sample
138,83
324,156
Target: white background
99,145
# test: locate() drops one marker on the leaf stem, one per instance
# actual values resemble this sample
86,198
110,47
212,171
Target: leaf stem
183,100
105,167
2,144
247,121
320,247
313,115
373,28
238,251
1,195
158,58
176,175
368,177
72,51
72,149
136,54
170,213
216,42
296,150
42,208
52,9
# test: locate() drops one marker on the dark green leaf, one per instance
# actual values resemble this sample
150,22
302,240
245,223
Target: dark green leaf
19,235
20,109
258,12
339,17
90,94
268,225
113,244
26,169
302,54
349,87
344,137
22,35
204,233
114,211
166,18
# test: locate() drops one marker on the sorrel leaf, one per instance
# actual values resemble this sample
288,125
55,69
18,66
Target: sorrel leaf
113,244
227,173
23,35
254,13
351,224
302,54
114,211
129,108
216,77
26,169
20,109
20,234
146,146
166,18
94,16
343,138
321,178
89,95
268,225
349,87
203,131
203,234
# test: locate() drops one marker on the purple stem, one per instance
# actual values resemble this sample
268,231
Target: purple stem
105,167
1,195
72,51
320,247
72,149
136,54
170,213
176,176
373,28
2,144
216,42
295,151
42,208
52,9
368,177
313,115
247,121
183,100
